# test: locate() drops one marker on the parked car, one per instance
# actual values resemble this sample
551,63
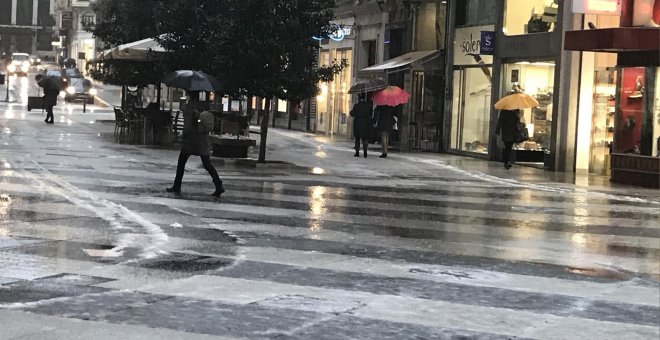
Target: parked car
79,89
19,64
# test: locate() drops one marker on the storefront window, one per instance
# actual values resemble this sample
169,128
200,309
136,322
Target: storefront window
602,119
629,115
471,109
637,129
333,101
537,80
530,16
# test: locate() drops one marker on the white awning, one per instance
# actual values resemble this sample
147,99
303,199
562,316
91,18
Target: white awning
404,60
137,50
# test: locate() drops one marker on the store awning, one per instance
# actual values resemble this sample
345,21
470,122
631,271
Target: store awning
619,39
137,50
403,61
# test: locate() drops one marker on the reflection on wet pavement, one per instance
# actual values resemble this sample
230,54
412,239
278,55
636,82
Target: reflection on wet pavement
325,248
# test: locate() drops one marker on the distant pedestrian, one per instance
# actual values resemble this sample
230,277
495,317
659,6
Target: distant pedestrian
507,128
385,124
195,136
363,123
51,91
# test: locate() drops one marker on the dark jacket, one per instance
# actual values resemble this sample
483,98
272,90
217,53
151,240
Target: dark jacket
385,115
51,91
363,123
507,124
195,135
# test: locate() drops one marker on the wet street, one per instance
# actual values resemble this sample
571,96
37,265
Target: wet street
321,245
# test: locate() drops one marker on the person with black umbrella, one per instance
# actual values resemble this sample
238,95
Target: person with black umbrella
195,141
362,113
196,125
51,91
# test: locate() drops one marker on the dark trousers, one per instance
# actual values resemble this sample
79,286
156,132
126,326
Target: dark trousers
181,166
365,144
49,113
506,155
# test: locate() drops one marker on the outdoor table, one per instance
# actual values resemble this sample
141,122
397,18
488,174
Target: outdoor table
154,120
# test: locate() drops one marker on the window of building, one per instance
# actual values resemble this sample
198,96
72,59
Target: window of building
370,49
475,12
537,80
530,16
5,14
24,13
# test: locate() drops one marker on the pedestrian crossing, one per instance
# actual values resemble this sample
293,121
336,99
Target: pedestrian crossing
289,255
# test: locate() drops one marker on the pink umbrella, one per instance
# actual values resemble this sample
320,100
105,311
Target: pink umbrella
391,96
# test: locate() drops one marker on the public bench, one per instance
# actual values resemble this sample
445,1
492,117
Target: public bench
228,138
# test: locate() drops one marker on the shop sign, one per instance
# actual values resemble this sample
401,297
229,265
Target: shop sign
338,32
487,43
468,46
607,7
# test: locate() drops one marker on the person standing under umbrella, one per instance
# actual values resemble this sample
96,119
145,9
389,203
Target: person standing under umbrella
507,126
385,124
362,113
195,136
51,91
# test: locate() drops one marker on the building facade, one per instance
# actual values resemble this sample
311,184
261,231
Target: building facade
575,126
75,42
26,26
400,41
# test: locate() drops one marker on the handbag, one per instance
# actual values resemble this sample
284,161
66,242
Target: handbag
521,134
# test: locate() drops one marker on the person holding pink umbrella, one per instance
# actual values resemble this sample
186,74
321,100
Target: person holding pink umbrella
388,101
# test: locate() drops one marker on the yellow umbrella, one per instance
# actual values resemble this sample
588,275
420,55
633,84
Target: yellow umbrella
516,101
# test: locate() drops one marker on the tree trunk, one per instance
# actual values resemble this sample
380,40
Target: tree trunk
264,132
289,108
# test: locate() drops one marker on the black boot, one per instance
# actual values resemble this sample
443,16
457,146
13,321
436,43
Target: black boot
357,153
383,155
365,152
176,191
219,189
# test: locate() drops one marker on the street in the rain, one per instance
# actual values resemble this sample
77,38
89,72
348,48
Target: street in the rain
319,245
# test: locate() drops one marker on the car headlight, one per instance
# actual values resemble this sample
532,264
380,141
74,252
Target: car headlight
25,67
71,90
31,60
11,68
38,60
92,92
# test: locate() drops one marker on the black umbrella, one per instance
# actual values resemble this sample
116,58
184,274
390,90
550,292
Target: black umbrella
368,85
192,81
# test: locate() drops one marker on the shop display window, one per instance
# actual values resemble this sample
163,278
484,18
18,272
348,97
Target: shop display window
471,109
333,101
602,119
530,16
637,129
537,80
628,128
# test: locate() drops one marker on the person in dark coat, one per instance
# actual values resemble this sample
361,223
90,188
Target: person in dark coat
195,141
51,91
507,125
385,115
363,124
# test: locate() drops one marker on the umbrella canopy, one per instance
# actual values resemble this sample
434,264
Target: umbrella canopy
391,96
137,50
516,101
192,81
368,85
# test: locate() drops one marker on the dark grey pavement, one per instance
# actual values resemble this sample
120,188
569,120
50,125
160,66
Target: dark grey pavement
319,246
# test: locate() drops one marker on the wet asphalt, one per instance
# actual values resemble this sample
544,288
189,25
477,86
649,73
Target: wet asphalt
317,245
